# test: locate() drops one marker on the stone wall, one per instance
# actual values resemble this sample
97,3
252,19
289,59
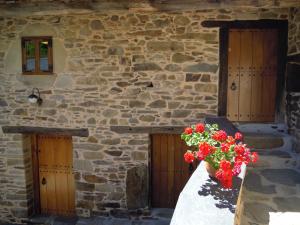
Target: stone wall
114,68
293,77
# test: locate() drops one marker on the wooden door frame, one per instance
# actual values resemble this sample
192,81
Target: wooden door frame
35,175
225,26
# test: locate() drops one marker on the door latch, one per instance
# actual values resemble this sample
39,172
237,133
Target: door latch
44,181
233,86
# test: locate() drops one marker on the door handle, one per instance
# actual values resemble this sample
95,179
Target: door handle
233,86
44,181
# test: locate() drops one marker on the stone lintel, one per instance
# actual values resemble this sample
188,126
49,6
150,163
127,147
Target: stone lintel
148,130
82,132
223,123
262,23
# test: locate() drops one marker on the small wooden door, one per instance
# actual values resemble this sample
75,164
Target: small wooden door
169,171
252,74
56,179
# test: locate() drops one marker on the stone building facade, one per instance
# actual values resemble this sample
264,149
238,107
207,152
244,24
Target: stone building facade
134,67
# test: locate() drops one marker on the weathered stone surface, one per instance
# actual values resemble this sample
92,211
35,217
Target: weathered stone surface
84,186
258,212
181,20
287,177
192,77
93,178
181,113
113,153
3,103
209,88
158,104
287,204
113,141
146,67
165,46
181,58
201,67
172,68
115,51
136,104
137,187
93,155
97,25
252,182
147,118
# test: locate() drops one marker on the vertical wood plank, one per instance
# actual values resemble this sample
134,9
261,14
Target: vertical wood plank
245,75
233,74
164,170
155,170
257,70
269,74
171,154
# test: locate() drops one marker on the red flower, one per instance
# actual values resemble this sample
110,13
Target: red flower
230,140
188,130
220,135
225,147
204,150
237,168
225,177
239,149
238,136
189,157
254,157
200,127
225,165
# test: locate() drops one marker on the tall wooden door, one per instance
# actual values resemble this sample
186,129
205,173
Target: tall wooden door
56,179
252,74
169,172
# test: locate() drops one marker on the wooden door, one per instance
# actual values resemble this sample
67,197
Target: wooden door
252,74
169,171
56,179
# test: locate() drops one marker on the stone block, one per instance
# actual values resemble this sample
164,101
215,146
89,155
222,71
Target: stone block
96,25
146,67
137,187
81,186
201,67
165,46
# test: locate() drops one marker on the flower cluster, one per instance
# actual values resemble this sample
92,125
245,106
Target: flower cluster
224,153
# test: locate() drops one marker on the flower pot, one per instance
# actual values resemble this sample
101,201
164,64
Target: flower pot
210,170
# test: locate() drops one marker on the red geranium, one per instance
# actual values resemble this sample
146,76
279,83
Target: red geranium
189,157
238,136
224,153
220,135
200,127
188,130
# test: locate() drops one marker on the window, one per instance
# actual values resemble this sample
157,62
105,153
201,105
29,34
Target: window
37,55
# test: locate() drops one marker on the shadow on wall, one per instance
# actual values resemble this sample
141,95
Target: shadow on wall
225,198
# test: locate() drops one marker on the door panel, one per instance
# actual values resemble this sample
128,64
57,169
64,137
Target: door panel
245,76
56,175
254,53
169,172
257,79
233,74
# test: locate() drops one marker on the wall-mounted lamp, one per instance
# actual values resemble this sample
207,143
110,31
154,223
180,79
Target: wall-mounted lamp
33,98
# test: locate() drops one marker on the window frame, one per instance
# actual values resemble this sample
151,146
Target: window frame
37,40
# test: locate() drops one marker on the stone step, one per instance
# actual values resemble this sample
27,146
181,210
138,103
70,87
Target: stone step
263,141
